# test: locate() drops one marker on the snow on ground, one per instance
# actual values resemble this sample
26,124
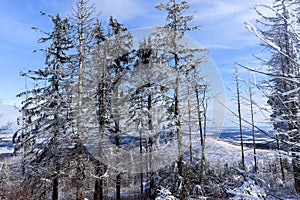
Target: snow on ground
218,153
4,150
6,145
227,150
9,114
217,149
223,152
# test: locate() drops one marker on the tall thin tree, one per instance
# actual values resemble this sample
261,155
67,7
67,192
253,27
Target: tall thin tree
238,93
83,19
252,122
279,34
46,115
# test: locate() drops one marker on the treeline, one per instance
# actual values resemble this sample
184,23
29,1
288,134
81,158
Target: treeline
94,88
105,116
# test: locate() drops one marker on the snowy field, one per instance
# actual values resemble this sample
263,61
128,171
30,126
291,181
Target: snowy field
6,145
9,114
221,152
229,135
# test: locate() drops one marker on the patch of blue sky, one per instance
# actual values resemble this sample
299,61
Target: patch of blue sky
222,33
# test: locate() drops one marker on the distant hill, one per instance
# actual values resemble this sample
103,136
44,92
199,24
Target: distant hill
9,113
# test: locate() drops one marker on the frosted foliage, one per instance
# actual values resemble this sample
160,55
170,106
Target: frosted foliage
279,34
249,190
281,38
165,194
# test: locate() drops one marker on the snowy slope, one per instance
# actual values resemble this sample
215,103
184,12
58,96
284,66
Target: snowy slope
8,114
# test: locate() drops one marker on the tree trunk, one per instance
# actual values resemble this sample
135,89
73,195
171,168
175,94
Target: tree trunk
178,127
296,166
190,126
201,132
176,117
118,176
199,116
55,182
55,188
204,106
253,125
280,158
98,190
79,184
118,187
296,172
102,92
240,116
141,163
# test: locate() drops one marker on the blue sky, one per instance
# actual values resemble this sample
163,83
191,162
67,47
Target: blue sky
222,33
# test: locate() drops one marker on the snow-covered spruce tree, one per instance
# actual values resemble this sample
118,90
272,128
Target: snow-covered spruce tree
97,104
148,102
121,52
83,20
110,59
279,34
43,138
180,58
140,106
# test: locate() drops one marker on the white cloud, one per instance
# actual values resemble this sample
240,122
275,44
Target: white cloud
123,10
222,25
217,10
223,22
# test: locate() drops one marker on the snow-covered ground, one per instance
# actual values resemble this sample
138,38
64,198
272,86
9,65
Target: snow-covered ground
232,134
224,137
8,114
6,145
220,153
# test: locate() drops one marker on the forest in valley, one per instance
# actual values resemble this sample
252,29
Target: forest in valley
110,117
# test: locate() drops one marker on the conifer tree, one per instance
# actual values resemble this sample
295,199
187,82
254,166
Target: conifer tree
83,21
279,34
110,60
43,138
148,103
180,58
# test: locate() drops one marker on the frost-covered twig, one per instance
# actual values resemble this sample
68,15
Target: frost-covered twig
165,194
